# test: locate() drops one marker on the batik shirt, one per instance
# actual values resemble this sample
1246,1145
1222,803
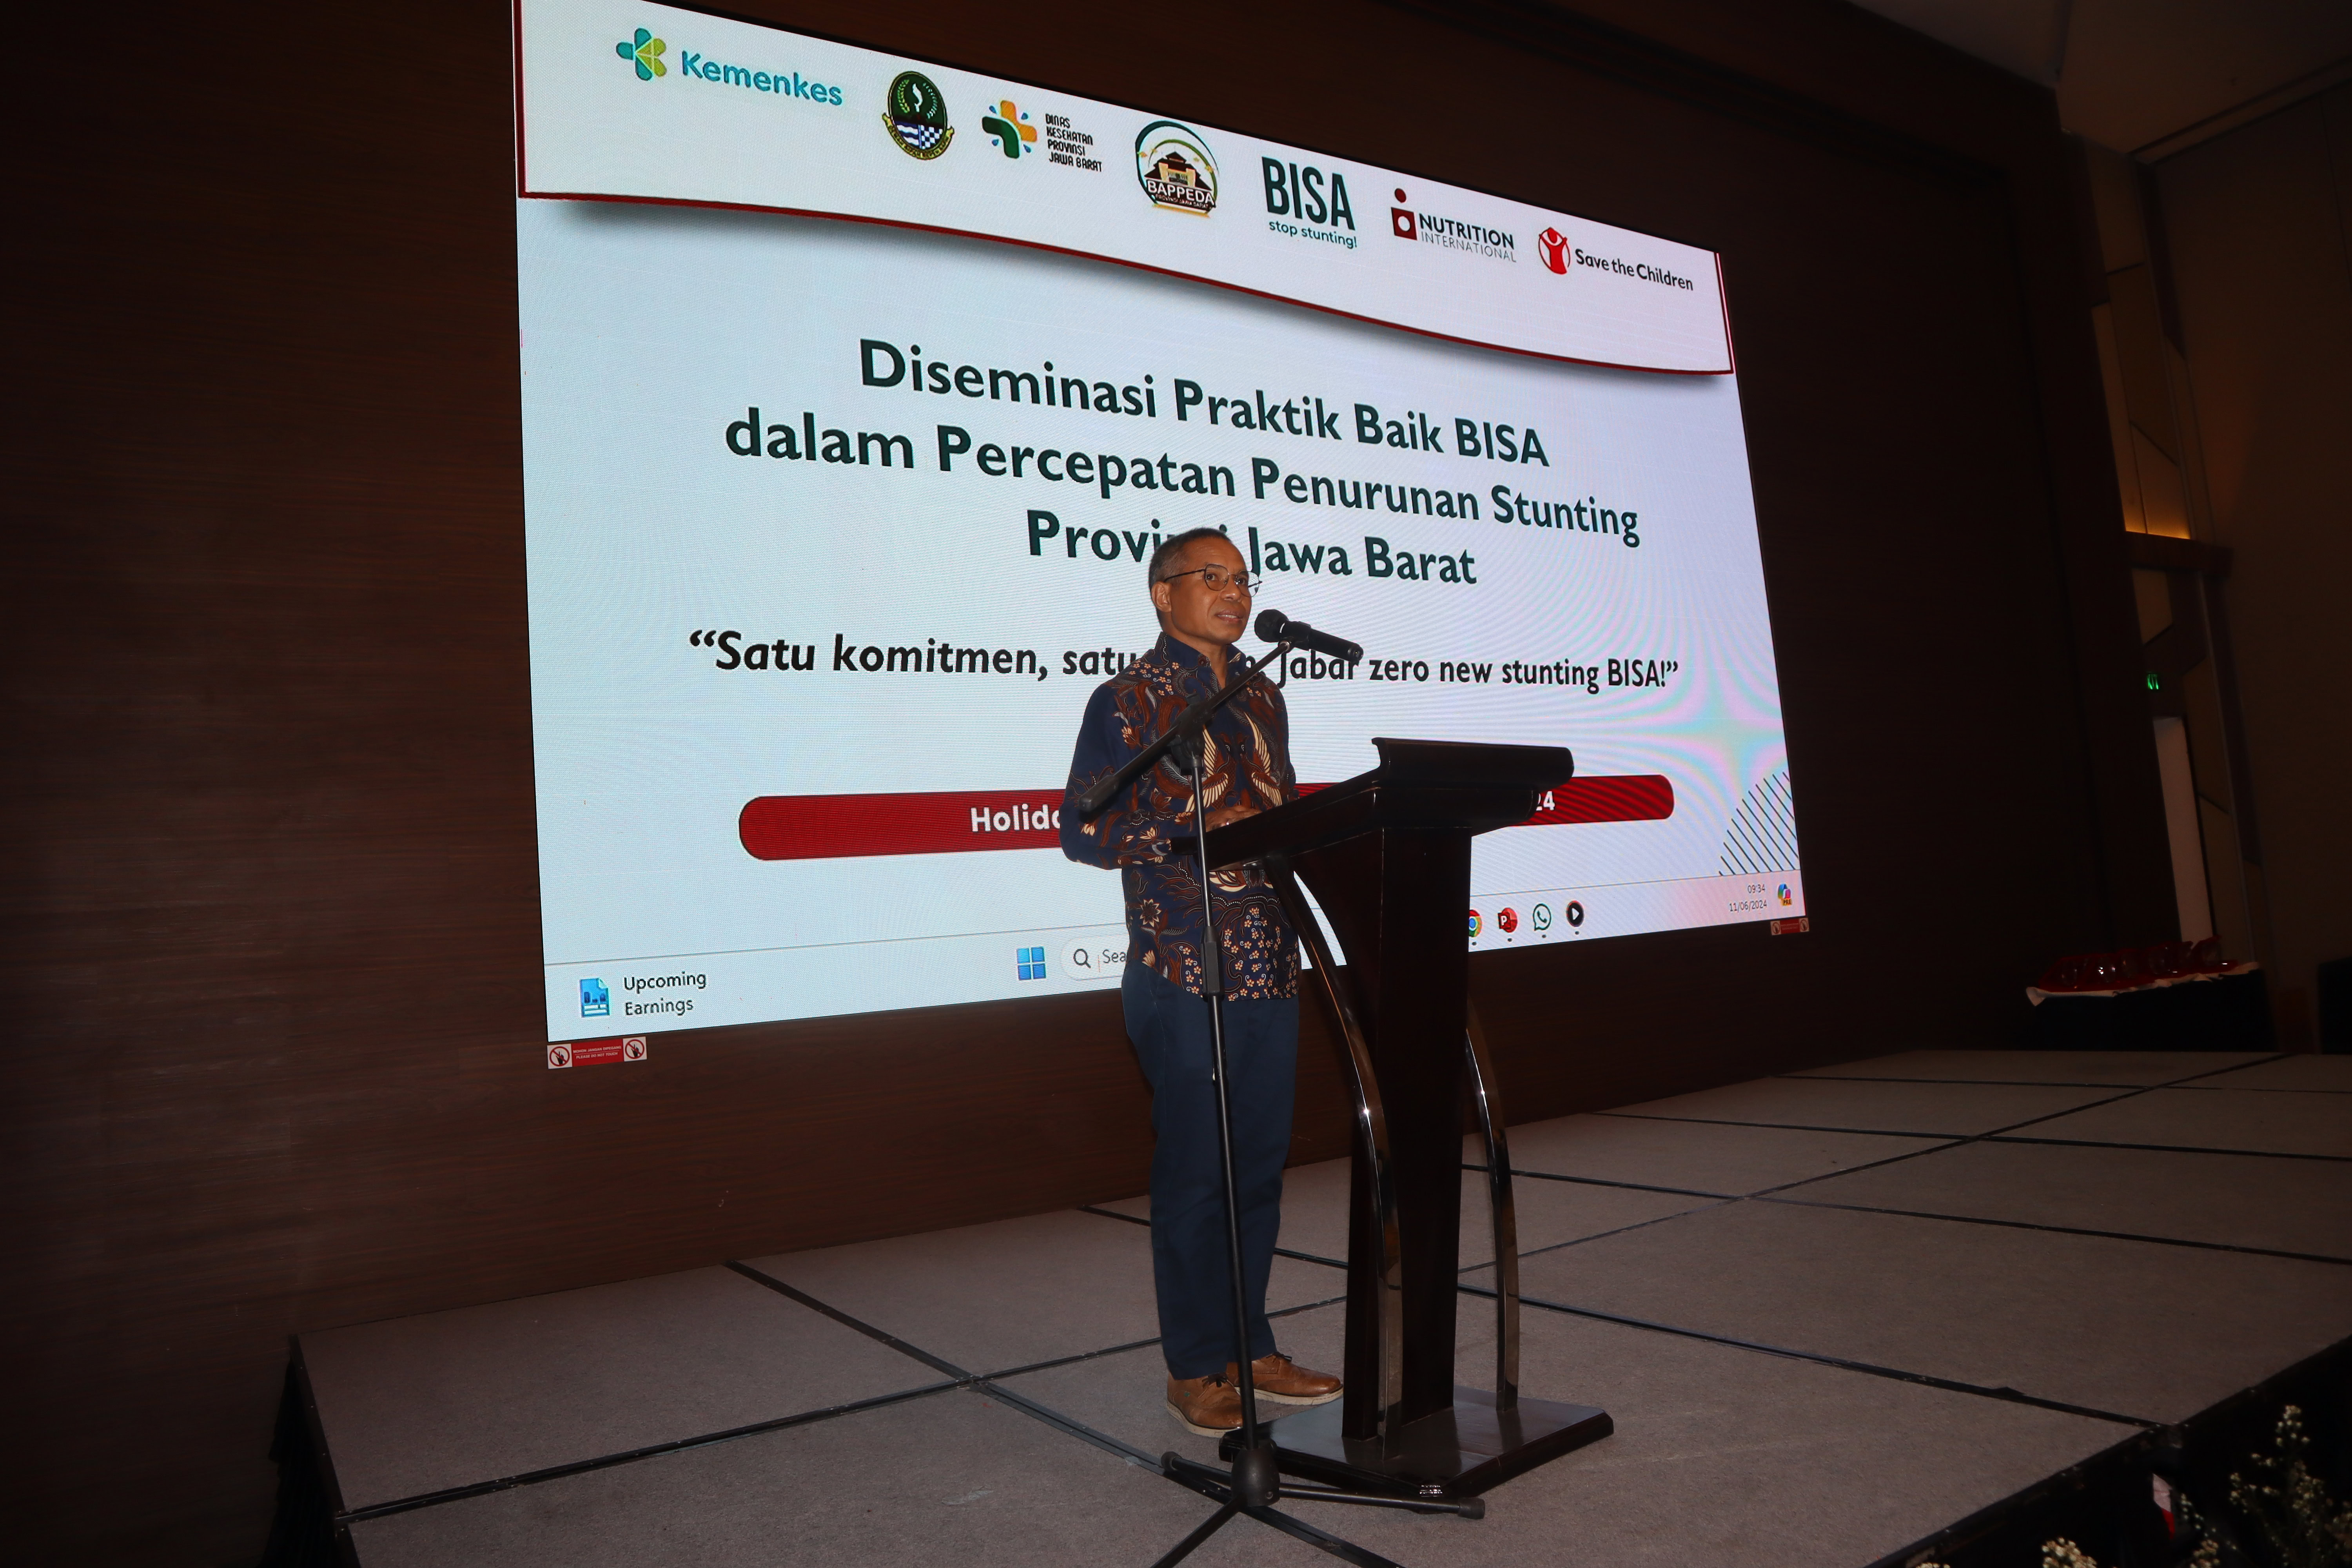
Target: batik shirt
1247,757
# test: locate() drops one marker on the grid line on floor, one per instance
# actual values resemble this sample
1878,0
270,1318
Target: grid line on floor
2062,1230
1815,1077
630,1456
1897,1374
2172,1147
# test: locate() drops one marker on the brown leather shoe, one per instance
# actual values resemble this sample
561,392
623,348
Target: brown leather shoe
1208,1407
1281,1379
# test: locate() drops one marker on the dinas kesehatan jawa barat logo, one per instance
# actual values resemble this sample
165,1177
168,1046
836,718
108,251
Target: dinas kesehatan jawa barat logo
1175,168
916,114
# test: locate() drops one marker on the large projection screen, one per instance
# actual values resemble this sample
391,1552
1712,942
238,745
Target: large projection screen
856,390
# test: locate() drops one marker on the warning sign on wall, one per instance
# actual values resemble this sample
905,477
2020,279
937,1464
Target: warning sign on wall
596,1053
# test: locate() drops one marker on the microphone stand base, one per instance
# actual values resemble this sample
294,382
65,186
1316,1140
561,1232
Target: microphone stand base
1446,1455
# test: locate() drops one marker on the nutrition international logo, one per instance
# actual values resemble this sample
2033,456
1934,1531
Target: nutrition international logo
645,51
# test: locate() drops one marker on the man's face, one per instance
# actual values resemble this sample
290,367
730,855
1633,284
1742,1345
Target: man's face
1196,612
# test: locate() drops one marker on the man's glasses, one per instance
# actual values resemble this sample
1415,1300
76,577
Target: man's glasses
1214,578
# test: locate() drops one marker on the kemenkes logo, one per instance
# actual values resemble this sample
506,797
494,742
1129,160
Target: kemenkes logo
646,51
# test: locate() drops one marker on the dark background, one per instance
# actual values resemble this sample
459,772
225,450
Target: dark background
272,934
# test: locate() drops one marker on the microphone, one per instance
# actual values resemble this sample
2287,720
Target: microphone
1272,626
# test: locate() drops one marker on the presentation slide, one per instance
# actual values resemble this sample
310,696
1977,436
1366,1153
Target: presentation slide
857,390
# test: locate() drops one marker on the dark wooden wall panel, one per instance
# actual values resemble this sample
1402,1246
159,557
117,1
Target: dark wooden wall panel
271,925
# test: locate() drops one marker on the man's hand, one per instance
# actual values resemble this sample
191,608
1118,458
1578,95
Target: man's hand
1233,812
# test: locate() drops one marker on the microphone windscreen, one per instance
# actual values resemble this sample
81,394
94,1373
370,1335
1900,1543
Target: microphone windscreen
1270,624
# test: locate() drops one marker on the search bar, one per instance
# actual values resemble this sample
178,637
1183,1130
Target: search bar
1094,960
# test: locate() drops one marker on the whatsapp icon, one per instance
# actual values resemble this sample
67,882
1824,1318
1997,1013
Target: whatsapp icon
1541,916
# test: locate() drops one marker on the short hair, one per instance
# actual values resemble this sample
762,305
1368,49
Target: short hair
1175,545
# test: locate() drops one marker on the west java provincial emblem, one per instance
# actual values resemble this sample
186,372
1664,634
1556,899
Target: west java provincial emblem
915,112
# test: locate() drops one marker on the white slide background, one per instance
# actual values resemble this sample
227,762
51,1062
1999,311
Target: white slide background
647,330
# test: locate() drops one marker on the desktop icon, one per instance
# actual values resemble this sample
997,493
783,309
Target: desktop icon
1575,913
1029,963
595,1000
1476,925
1541,917
1508,918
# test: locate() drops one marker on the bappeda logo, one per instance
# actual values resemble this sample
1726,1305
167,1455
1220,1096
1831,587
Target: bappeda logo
915,112
1173,165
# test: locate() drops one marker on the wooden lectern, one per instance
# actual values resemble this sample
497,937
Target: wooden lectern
1388,856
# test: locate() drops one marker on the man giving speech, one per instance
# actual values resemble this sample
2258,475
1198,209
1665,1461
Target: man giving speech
1203,596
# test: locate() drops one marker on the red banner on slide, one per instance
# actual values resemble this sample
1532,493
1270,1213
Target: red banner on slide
1622,797
832,826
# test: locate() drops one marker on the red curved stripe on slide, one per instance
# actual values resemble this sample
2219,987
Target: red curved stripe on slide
834,826
1625,797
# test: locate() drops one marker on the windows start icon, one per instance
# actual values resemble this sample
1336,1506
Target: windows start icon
1029,963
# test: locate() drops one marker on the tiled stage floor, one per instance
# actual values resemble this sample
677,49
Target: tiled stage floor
1831,1313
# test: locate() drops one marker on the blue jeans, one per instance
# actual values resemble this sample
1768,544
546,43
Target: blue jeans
1170,1029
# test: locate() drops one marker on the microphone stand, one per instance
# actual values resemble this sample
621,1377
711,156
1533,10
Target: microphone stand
1255,1482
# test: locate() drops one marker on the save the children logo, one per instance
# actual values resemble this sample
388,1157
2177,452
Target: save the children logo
1009,129
1173,165
645,50
1554,246
915,112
